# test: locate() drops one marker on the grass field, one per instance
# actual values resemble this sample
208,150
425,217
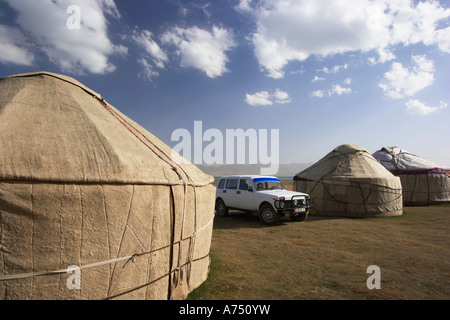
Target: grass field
327,258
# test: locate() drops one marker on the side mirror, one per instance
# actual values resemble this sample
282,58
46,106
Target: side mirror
250,189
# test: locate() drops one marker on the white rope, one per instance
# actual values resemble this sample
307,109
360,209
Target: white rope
96,264
44,273
180,247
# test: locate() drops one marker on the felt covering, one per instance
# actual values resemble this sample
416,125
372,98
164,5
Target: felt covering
348,181
423,181
83,185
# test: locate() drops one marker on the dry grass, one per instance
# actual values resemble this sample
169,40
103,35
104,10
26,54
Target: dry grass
327,258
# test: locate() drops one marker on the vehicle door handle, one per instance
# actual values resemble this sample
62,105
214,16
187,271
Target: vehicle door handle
238,192
224,191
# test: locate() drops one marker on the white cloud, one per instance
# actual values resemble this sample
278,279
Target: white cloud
281,97
13,49
152,49
264,98
74,50
384,55
298,71
109,7
202,49
316,78
148,71
244,6
261,98
335,69
337,89
317,94
401,82
294,30
121,50
420,108
417,24
194,8
443,39
154,57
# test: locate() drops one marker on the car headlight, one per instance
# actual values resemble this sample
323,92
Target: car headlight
279,204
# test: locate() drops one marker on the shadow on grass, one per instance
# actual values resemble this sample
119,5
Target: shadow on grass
240,219
237,219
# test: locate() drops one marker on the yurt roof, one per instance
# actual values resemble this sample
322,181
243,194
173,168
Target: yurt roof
55,129
394,158
344,162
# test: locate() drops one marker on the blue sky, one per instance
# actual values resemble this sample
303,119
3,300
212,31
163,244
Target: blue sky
370,72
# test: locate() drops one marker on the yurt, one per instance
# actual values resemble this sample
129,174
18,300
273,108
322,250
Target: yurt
349,182
423,182
92,205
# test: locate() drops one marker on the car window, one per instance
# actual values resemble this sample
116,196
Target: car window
221,184
232,183
267,184
244,184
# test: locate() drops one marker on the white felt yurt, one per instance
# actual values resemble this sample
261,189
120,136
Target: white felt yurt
423,182
92,205
349,182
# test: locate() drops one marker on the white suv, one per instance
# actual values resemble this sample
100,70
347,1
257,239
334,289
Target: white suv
263,194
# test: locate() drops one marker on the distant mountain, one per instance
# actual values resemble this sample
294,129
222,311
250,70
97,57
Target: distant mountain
284,170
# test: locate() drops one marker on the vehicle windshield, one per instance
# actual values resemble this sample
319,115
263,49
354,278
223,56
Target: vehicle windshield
267,184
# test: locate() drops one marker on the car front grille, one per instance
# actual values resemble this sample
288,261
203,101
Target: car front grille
289,204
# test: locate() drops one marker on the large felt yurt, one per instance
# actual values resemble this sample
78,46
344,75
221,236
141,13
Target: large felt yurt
93,206
349,182
423,182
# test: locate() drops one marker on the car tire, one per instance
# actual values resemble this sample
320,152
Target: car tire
221,208
268,215
300,217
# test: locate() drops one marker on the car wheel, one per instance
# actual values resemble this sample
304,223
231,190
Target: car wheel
300,217
267,215
221,208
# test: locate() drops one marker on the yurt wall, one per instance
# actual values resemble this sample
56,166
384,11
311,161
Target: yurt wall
82,185
423,182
